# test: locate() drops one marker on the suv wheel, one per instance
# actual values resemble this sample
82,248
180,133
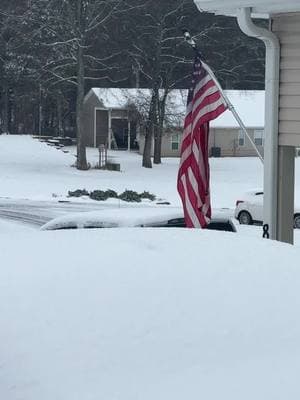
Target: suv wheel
297,221
245,218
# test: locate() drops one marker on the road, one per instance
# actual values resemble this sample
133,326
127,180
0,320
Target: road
37,213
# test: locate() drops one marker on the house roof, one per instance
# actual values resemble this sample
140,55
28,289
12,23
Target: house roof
259,7
248,104
118,98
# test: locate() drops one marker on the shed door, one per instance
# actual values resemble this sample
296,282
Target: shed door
101,127
120,132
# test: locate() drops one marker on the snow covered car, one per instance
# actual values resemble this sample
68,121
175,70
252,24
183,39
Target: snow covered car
159,217
249,210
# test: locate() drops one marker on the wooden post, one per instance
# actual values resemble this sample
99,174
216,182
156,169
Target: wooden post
109,129
286,183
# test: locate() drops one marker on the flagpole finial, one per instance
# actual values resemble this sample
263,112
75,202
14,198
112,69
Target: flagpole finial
188,38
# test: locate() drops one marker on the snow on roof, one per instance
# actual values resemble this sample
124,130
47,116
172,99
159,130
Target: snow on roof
123,217
249,104
259,7
119,98
115,217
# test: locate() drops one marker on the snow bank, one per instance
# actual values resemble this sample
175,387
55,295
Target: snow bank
148,314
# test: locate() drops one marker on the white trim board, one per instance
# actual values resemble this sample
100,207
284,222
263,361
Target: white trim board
259,7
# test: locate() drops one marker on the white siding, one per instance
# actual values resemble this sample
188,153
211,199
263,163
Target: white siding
287,27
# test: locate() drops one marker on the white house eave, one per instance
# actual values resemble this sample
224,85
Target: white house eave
260,8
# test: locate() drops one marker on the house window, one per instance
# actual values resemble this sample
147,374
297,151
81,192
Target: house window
259,137
241,139
175,142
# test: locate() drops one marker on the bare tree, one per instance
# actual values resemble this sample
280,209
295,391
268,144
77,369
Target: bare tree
53,51
11,68
68,30
157,51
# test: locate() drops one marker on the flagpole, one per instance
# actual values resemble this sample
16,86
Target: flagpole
231,108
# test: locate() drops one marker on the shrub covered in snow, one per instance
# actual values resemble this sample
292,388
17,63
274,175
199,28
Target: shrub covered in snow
130,196
102,195
78,193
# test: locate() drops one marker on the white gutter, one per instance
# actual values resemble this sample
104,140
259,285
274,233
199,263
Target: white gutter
271,115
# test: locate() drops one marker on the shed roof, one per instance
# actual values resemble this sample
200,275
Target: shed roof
249,104
258,6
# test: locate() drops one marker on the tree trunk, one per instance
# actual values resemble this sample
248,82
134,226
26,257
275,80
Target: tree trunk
81,150
40,110
5,111
60,114
157,146
159,130
147,163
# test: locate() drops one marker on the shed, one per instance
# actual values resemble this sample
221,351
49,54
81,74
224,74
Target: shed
110,115
107,118
282,107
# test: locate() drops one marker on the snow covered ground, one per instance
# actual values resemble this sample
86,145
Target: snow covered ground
141,314
33,171
147,314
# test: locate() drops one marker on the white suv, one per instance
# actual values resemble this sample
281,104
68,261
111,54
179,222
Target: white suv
249,210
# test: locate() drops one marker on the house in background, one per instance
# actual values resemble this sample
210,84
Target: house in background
226,138
109,119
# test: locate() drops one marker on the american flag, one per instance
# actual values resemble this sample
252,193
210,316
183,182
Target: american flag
204,104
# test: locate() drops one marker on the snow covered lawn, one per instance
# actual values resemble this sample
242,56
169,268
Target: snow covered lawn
148,314
32,170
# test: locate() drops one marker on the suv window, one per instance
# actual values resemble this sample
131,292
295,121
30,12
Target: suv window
226,226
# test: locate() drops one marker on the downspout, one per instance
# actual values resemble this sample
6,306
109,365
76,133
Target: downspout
271,117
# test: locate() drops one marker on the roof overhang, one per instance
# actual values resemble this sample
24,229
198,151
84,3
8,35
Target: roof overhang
259,7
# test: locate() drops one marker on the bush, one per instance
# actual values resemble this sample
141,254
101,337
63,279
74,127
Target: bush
102,195
147,195
130,196
78,193
99,195
112,194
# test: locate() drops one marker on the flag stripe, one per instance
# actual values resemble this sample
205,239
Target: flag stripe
190,211
207,110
